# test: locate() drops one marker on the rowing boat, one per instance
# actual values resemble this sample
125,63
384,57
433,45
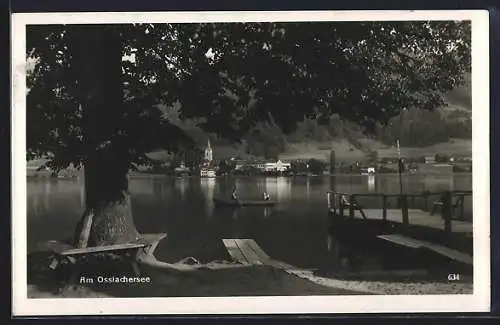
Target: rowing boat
239,203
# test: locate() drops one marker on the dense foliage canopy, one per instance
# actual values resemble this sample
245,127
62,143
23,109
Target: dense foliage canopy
229,77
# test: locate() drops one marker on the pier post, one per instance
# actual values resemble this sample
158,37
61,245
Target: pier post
384,207
341,204
404,210
332,204
462,201
446,212
352,199
332,170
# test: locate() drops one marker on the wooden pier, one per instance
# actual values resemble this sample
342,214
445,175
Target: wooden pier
416,217
346,205
441,233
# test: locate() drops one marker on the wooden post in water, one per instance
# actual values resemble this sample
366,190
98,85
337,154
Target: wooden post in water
404,210
351,205
384,207
446,212
341,204
404,197
332,170
462,200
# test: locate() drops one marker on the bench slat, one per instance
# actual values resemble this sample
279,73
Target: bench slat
67,250
99,249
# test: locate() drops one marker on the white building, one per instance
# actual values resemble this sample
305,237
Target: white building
368,171
269,166
182,168
278,166
207,172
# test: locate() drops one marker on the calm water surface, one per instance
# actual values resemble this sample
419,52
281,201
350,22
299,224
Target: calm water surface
294,231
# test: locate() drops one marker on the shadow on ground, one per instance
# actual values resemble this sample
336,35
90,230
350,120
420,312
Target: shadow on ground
248,281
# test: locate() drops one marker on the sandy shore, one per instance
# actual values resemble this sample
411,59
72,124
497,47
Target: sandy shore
401,286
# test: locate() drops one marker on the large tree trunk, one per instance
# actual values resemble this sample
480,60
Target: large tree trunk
97,64
109,201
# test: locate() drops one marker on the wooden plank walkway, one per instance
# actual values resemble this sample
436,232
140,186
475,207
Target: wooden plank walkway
246,251
416,243
416,217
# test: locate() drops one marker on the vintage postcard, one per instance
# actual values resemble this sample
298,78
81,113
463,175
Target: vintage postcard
250,162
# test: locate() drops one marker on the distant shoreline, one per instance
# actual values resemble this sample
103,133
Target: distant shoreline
156,176
146,175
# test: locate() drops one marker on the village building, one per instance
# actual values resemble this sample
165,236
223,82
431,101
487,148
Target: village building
181,169
430,159
264,166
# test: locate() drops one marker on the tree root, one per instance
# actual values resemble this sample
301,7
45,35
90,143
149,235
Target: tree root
182,266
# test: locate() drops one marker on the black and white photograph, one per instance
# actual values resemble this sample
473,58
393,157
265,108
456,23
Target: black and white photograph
250,162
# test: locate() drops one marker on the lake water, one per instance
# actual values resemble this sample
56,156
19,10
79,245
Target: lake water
294,231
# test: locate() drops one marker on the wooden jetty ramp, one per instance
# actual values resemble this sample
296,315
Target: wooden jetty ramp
246,251
346,206
416,243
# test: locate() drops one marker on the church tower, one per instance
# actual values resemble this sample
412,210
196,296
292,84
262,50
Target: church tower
208,152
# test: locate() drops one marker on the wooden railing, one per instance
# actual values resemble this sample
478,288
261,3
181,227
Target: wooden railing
339,201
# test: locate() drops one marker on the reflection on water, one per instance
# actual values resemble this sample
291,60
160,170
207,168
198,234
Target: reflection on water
82,197
181,185
208,188
294,231
371,183
47,192
279,187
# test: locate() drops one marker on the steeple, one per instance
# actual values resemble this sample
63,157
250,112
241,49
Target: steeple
208,152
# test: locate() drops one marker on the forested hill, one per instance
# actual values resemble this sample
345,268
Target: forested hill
415,128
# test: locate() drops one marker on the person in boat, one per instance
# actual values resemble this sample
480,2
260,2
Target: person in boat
266,196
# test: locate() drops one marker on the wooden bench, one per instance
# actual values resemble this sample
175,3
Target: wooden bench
440,203
130,251
352,204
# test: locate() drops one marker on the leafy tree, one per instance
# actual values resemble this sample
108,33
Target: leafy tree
88,106
316,167
373,156
298,167
416,128
193,157
460,129
265,141
226,166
